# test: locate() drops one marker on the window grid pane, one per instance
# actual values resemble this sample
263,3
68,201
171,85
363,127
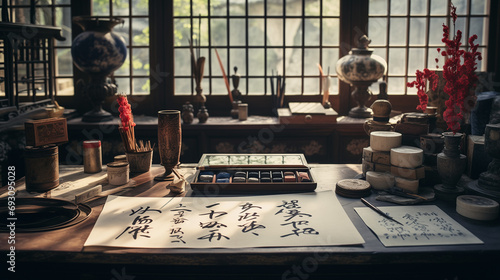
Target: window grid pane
407,33
260,39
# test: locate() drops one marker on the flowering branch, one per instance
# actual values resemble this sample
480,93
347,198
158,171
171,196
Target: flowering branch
458,71
420,84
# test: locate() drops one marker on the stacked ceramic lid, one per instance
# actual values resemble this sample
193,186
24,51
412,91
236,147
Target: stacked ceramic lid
386,163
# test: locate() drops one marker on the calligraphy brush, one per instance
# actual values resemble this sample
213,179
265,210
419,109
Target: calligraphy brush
226,81
374,208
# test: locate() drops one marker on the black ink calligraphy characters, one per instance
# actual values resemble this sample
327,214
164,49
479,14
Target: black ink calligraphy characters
213,224
249,218
141,224
298,220
179,218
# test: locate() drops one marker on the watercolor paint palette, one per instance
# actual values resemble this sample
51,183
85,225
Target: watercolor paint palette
218,173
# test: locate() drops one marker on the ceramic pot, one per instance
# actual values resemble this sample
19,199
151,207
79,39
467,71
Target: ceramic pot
187,113
361,68
202,114
140,162
98,52
450,165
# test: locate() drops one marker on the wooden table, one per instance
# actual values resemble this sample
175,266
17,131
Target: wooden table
60,253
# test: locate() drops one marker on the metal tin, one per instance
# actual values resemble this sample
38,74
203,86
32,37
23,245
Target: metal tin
42,168
118,173
92,156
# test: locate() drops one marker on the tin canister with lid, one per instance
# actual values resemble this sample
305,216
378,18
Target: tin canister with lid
42,168
118,173
92,156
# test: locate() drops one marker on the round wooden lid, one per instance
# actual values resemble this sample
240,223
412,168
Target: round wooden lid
353,188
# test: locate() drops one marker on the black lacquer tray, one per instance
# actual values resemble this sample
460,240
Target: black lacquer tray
41,214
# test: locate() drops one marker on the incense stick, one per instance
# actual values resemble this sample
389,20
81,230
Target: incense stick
224,76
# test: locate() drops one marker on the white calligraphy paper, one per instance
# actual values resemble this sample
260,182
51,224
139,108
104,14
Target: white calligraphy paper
422,225
309,219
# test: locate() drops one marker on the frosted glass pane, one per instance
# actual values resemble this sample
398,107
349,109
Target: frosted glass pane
141,86
396,86
437,31
293,86
398,7
396,62
219,32
312,8
330,58
182,86
293,61
331,32
478,7
256,62
417,31
461,6
182,62
311,86
275,8
377,7
237,32
256,86
236,8
477,27
416,60
294,32
418,7
439,7
256,32
311,60
377,31
275,32
331,7
311,32
398,31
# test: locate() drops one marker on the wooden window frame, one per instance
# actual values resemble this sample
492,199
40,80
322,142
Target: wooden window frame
353,23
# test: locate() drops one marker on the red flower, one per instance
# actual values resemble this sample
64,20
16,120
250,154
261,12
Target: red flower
420,84
458,72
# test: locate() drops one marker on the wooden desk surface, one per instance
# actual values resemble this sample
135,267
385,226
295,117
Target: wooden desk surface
64,247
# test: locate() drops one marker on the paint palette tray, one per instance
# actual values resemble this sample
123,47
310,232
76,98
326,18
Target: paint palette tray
220,173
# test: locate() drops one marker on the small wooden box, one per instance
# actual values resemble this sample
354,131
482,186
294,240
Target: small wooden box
256,164
46,131
306,113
